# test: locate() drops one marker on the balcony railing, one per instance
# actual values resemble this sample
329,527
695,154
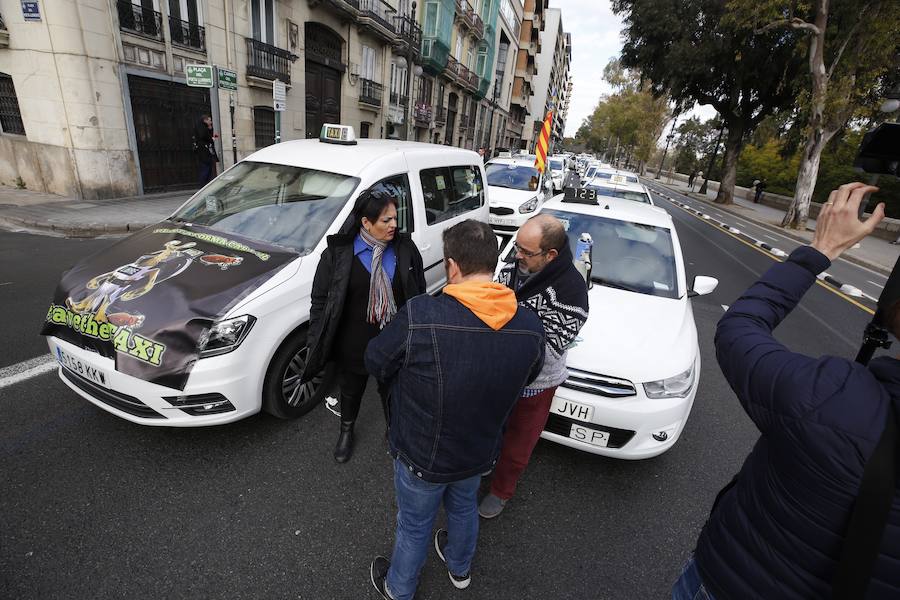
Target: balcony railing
422,114
370,92
464,12
398,99
268,62
2,24
452,69
187,34
139,20
477,26
379,11
409,33
440,115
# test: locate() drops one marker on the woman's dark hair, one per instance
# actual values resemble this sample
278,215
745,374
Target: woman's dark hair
370,204
473,245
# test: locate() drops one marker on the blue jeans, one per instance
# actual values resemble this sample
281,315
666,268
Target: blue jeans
418,502
689,586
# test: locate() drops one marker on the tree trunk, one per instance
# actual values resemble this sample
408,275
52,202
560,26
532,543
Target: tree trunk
798,211
733,145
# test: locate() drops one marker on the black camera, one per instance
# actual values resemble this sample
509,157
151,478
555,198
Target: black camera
879,152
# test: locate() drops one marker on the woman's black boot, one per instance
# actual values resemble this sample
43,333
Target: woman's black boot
344,447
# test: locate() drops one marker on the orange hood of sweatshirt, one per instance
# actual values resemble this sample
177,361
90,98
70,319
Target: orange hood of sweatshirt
493,303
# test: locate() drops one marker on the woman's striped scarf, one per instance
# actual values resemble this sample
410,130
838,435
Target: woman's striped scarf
382,306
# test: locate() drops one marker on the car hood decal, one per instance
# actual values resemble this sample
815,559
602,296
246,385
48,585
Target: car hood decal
148,300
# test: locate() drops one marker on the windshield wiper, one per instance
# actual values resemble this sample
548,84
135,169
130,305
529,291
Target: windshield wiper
617,285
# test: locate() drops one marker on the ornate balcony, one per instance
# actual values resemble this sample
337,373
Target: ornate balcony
409,36
378,17
464,13
139,20
399,99
422,114
268,62
477,26
187,34
452,70
370,92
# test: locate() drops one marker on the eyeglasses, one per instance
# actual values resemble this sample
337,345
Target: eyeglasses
526,253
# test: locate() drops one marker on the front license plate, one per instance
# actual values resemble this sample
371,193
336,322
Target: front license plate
496,221
79,367
594,437
572,410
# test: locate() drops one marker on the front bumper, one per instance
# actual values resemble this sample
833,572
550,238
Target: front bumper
235,376
637,427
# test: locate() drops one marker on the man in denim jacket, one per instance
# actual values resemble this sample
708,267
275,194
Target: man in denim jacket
456,365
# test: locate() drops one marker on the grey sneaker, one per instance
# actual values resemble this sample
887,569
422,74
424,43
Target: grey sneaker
460,582
491,506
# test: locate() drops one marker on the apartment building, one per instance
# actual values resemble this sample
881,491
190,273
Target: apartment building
550,83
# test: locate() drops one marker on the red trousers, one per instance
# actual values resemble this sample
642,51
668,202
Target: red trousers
523,429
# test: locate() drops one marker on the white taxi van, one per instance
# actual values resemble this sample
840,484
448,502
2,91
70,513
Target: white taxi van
202,318
635,366
517,190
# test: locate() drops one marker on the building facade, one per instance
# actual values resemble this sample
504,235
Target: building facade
550,84
94,101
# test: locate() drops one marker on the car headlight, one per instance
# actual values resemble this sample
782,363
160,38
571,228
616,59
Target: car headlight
529,206
678,386
225,336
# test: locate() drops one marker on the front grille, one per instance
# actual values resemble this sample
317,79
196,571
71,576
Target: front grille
601,385
563,426
505,228
123,402
501,210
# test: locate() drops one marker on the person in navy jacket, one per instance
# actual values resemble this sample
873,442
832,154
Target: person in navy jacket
778,532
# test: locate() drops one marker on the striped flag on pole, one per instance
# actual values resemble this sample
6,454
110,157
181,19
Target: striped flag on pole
543,142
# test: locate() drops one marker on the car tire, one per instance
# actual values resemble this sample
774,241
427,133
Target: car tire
283,396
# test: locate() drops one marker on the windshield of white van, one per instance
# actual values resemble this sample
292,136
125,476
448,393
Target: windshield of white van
287,206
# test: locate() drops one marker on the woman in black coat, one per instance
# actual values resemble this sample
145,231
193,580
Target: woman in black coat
363,278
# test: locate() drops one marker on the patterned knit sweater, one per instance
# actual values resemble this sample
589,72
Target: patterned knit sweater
558,294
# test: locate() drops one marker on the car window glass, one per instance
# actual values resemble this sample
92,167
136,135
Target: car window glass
279,204
398,187
625,194
451,191
513,176
637,257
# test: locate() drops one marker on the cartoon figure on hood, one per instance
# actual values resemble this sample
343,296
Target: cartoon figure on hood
133,280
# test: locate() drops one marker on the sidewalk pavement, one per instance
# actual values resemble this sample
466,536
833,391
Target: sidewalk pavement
72,217
874,253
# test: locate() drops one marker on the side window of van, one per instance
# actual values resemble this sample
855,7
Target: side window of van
398,187
450,192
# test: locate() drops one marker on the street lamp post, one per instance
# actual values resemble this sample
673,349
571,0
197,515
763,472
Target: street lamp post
411,73
669,139
712,160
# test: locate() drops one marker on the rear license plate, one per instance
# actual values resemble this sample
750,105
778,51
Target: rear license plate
79,367
594,437
572,410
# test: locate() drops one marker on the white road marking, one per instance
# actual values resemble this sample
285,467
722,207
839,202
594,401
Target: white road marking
25,370
774,239
878,285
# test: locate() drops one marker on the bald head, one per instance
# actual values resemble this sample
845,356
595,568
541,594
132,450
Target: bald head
550,230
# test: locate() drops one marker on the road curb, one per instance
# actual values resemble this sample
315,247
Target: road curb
800,240
89,230
776,252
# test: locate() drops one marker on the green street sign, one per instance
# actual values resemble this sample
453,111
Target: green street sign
227,79
199,75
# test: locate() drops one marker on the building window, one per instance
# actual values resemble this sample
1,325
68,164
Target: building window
368,63
262,14
364,129
432,18
264,125
10,117
459,47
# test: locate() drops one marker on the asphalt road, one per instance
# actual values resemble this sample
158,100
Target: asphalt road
94,506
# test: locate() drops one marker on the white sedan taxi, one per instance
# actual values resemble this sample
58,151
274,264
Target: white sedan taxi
516,190
202,318
635,366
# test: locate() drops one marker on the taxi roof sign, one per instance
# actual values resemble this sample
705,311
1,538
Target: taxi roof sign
337,134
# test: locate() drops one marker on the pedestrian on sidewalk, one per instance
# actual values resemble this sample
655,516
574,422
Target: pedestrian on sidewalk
205,149
778,530
364,275
697,178
456,364
760,186
691,179
546,280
